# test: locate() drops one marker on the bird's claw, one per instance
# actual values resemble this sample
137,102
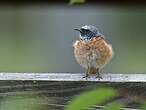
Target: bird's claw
99,77
86,76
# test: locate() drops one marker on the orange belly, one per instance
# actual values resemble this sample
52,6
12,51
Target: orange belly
92,54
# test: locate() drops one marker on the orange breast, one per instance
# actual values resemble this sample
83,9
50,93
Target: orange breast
95,53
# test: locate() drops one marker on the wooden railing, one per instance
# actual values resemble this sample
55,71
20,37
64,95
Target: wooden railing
61,87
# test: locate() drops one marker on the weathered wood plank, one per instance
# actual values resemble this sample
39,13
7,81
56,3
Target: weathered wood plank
60,88
58,93
108,77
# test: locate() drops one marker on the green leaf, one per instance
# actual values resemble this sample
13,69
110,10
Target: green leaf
143,107
21,103
114,106
77,1
87,99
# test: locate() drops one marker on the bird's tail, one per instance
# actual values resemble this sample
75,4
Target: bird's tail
92,70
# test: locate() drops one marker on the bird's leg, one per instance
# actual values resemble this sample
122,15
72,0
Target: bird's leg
98,74
87,73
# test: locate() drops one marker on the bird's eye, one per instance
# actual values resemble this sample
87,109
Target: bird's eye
86,31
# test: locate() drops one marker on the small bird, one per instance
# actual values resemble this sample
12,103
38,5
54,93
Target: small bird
91,50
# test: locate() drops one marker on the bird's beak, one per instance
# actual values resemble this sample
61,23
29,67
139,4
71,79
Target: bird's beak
78,30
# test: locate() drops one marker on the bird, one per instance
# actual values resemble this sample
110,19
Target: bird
91,50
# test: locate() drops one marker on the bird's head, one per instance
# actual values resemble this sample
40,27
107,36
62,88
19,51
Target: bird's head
88,32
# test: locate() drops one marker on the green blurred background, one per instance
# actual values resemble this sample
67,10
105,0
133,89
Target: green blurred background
39,38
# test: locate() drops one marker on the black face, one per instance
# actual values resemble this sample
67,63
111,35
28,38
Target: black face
88,32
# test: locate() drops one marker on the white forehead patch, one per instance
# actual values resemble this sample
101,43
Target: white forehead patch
91,28
85,27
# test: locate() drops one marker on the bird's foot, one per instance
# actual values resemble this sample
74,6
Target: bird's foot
86,76
99,76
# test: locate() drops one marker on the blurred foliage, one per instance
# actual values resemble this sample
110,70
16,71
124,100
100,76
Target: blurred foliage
94,97
21,103
89,98
77,1
143,107
114,106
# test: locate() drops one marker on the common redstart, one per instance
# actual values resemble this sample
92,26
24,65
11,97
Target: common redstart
91,50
